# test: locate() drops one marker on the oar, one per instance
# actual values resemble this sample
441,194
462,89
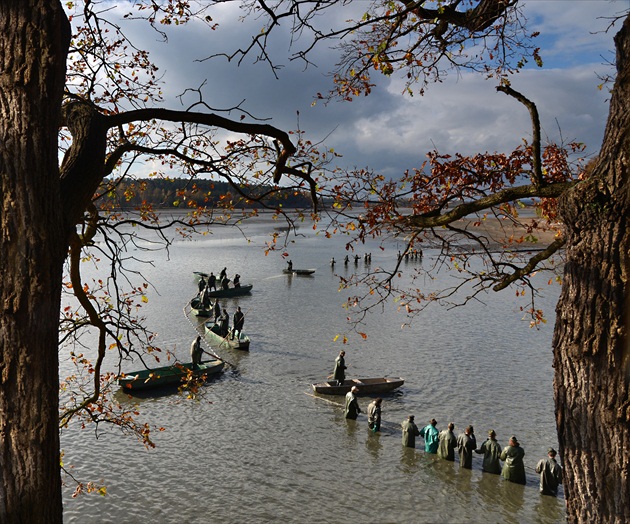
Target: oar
218,358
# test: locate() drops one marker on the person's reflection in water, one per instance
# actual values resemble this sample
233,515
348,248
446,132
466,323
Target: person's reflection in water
551,509
373,444
512,497
489,488
408,460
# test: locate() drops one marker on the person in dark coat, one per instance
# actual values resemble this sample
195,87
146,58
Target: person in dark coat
466,444
223,274
352,409
237,280
205,297
224,323
513,469
196,352
550,474
201,285
217,310
239,321
212,281
409,432
448,443
491,451
339,373
374,414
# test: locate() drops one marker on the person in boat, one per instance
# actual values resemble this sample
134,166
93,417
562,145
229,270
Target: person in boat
550,474
448,443
196,352
290,265
201,285
513,468
430,434
352,409
466,444
212,281
239,320
225,281
409,432
491,451
237,280
374,414
217,311
205,297
224,323
223,274
339,373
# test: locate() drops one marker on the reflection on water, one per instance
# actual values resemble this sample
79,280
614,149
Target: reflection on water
258,446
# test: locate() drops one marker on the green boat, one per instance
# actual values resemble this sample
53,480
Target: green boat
213,335
167,375
232,291
197,308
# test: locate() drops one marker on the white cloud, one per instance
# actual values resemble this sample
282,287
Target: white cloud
390,132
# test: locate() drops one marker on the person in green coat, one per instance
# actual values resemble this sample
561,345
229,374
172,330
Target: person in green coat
466,444
352,404
448,443
550,474
430,434
491,451
409,432
513,469
339,373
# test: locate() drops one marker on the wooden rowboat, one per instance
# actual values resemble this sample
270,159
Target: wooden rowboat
367,386
298,271
212,334
167,375
232,292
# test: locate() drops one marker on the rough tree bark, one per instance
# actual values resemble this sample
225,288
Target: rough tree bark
33,47
591,344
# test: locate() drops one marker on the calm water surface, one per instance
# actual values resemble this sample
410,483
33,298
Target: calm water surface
259,447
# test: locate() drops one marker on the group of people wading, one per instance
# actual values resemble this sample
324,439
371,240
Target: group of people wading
445,444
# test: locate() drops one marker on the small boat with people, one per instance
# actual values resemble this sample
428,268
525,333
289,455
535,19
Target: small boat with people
198,309
298,271
171,375
290,270
214,334
231,291
366,386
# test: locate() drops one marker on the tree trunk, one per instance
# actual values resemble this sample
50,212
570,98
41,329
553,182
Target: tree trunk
34,39
591,344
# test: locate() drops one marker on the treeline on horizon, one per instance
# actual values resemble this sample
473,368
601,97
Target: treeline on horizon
183,193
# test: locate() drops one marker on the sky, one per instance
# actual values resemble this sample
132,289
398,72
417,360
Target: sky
389,132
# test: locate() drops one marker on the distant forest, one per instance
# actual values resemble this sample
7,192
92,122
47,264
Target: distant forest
183,193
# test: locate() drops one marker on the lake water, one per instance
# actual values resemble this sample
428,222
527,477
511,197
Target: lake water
258,446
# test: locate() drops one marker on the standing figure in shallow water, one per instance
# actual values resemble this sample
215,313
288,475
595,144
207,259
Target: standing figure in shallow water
550,474
448,443
352,404
491,451
513,469
466,444
409,432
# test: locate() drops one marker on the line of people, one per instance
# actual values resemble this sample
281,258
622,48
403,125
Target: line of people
205,286
445,444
